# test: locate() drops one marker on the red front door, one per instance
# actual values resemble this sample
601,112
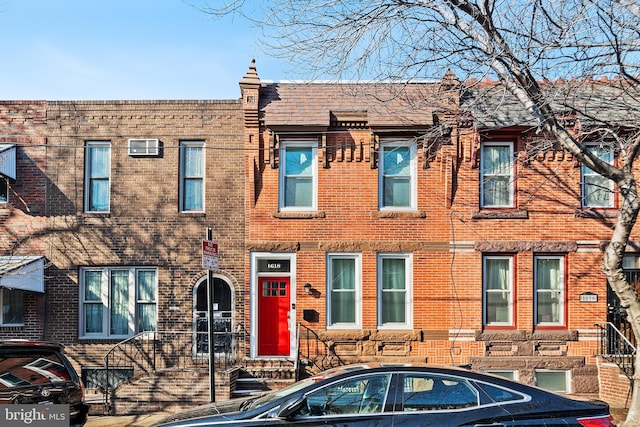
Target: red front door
273,316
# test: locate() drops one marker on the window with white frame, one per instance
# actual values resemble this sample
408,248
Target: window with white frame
511,374
97,176
4,189
395,278
597,191
192,176
497,174
497,279
550,293
117,301
12,302
553,380
344,287
397,175
298,175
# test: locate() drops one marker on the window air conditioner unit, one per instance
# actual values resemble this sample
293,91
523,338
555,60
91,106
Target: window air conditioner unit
143,147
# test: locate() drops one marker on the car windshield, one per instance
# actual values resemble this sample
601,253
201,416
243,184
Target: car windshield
286,391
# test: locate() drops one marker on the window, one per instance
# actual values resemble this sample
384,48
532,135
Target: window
117,302
496,166
394,291
506,373
557,381
298,175
497,278
360,395
549,285
12,301
397,180
423,392
597,191
191,176
97,172
344,283
4,189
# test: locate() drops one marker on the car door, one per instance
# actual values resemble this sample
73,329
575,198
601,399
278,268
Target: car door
357,401
426,399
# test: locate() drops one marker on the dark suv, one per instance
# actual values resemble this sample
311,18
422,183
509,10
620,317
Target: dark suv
36,372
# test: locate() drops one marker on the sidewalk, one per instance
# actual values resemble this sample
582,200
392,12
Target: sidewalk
123,420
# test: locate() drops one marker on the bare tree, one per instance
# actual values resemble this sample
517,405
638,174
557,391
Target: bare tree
519,43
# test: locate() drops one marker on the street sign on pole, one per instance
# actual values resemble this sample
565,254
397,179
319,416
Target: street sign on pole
209,255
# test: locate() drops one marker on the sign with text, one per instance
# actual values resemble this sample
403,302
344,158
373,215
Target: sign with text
209,255
34,415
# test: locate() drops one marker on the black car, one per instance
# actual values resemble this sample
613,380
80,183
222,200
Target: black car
401,395
36,372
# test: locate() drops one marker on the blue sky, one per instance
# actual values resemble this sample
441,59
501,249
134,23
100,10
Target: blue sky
124,49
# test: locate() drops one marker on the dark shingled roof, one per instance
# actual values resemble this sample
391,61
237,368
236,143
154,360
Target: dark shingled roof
594,103
385,104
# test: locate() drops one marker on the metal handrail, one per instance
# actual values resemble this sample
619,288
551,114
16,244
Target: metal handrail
152,351
617,347
318,353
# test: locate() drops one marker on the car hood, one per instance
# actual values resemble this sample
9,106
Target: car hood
214,412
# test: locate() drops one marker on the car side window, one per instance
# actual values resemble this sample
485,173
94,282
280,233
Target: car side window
436,392
361,395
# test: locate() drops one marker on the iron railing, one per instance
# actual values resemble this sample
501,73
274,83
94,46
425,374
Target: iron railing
153,351
313,352
617,346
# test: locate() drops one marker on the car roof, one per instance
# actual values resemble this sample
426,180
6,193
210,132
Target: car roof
21,343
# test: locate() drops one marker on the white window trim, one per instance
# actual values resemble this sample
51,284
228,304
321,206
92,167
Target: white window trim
561,321
284,144
105,286
181,190
567,377
509,144
485,291
413,204
87,173
499,372
583,185
358,290
408,324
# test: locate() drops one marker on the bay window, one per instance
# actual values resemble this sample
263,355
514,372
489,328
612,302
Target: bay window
117,301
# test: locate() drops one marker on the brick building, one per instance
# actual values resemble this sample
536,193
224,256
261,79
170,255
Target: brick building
354,222
416,223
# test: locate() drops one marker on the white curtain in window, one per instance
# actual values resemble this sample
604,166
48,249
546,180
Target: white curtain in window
497,271
146,301
343,290
298,177
393,290
99,191
193,178
496,184
549,289
119,295
93,302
